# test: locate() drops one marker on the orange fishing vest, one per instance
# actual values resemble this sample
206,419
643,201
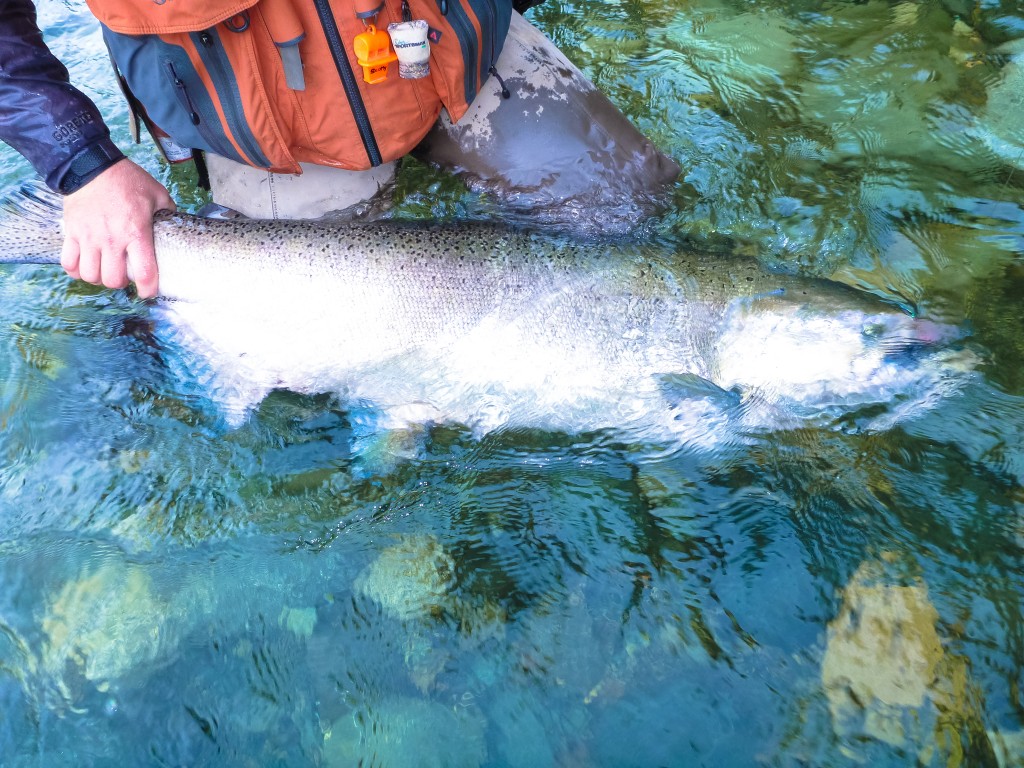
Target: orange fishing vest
221,76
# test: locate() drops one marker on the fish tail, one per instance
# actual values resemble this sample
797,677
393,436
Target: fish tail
30,227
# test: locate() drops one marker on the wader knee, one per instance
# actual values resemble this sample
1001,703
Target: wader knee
557,150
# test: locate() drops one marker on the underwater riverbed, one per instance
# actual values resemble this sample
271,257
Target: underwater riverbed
179,592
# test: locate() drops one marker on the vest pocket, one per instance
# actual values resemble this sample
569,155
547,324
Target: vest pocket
199,111
215,59
459,21
462,27
161,75
200,128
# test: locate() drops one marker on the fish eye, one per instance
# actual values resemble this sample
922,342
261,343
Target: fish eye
873,330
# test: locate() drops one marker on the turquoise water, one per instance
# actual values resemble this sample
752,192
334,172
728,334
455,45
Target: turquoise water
178,593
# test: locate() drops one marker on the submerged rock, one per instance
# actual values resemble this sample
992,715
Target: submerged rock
116,619
410,579
299,621
413,581
882,652
105,623
403,732
1009,748
888,678
1001,120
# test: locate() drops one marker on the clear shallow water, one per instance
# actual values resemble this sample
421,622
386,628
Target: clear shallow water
177,593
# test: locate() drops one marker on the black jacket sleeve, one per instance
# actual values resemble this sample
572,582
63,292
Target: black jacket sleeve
52,124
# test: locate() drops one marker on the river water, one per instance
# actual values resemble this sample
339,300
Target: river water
176,592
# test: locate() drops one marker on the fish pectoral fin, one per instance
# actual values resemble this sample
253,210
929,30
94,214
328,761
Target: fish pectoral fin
690,386
384,438
380,454
409,415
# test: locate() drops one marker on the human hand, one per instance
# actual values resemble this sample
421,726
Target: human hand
108,229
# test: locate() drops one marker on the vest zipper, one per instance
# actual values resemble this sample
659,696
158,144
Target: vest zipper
487,29
182,91
215,60
467,38
218,146
348,81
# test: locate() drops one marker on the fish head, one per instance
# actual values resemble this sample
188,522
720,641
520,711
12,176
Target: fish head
824,352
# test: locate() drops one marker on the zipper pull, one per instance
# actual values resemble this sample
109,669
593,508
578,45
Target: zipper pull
179,84
505,92
443,5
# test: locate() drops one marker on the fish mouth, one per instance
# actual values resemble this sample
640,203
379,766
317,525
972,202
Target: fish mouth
914,338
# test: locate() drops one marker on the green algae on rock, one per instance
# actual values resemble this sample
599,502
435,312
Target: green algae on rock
410,579
888,677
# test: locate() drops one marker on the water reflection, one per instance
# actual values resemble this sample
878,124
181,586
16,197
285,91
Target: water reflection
181,593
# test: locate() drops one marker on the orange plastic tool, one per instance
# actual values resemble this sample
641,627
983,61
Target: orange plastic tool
373,52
